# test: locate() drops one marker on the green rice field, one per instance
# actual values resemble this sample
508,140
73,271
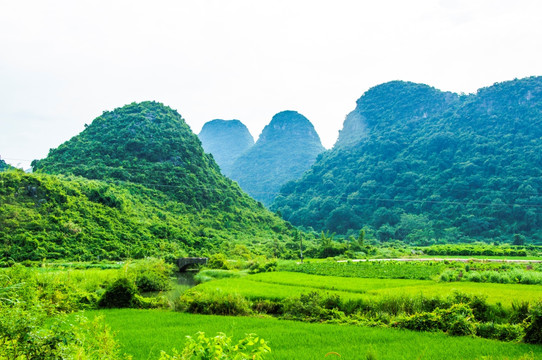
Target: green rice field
144,333
279,285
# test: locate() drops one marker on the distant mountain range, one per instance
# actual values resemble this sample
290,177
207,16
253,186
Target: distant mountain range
226,140
286,148
420,165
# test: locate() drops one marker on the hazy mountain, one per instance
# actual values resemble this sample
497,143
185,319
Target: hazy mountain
226,140
286,148
414,163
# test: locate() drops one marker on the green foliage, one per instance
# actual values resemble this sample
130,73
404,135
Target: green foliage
33,324
313,306
220,347
218,261
150,274
213,302
420,165
259,266
533,330
119,294
57,217
502,332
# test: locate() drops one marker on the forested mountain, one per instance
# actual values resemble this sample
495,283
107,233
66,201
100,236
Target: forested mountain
420,165
286,148
226,140
4,165
153,188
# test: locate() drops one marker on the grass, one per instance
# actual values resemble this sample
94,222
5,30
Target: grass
280,285
144,333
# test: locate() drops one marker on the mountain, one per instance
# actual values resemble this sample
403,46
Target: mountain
287,147
420,165
4,165
226,140
143,159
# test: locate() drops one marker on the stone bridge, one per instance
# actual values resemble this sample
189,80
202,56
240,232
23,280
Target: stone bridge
183,263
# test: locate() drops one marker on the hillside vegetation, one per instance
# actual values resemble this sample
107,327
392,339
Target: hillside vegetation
420,165
135,182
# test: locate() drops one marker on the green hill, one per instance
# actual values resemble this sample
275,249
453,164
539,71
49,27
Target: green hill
226,140
416,164
135,181
4,165
286,148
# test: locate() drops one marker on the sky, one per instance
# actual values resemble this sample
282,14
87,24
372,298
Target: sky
62,63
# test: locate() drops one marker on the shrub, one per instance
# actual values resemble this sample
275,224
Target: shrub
426,321
313,306
119,294
265,306
262,266
150,274
502,332
213,302
458,320
533,330
220,347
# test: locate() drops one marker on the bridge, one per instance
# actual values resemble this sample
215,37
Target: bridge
184,263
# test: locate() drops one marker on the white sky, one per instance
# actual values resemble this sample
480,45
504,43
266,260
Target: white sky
64,62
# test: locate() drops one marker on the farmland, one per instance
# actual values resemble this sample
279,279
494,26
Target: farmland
143,333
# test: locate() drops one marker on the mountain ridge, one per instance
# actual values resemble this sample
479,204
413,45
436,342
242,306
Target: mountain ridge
426,165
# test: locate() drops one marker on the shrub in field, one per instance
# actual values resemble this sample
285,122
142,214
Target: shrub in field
262,266
313,306
426,321
458,320
520,311
213,302
533,330
220,347
150,274
265,306
119,294
502,332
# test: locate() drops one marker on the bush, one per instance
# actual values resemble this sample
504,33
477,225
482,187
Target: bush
458,320
213,302
262,266
426,321
119,294
150,274
265,306
313,306
502,332
220,347
533,330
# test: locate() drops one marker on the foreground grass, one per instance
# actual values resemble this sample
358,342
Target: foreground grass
279,285
144,333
